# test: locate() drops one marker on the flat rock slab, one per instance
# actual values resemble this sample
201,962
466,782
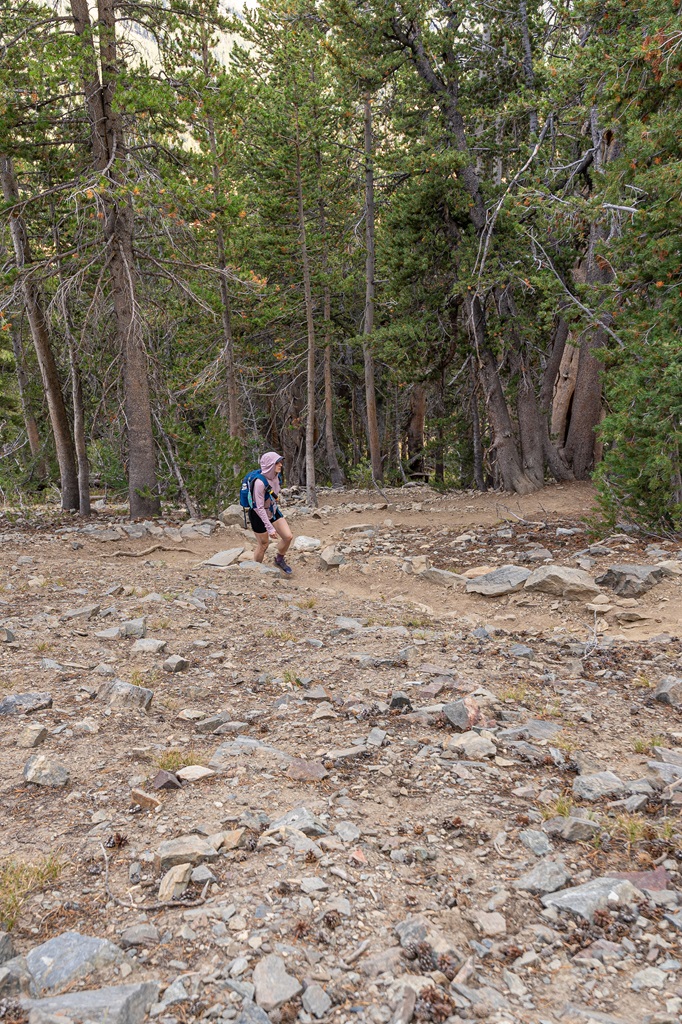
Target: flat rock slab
316,1001
135,627
504,580
175,663
302,819
149,646
534,729
45,771
145,934
25,703
121,694
599,785
174,882
221,559
631,580
184,850
472,745
87,611
245,746
562,581
597,894
548,875
118,1004
194,773
441,577
57,963
306,771
572,829
274,985
303,543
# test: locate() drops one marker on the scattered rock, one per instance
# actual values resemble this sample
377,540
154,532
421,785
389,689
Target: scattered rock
121,694
183,850
548,875
596,786
6,947
303,543
274,985
491,925
316,1001
194,773
175,664
144,934
631,580
135,627
473,745
32,736
306,771
149,646
174,882
462,714
44,771
225,558
331,558
302,819
58,963
668,691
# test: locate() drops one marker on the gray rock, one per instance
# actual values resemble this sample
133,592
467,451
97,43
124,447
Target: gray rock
175,664
121,694
245,746
184,850
174,994
316,1001
376,737
650,977
118,1004
6,947
562,581
572,829
631,580
15,978
113,633
412,930
88,611
302,819
347,832
404,1011
462,714
441,577
331,557
274,985
252,1014
135,627
600,784
32,736
504,580
43,771
536,842
25,703
59,962
213,722
534,729
668,691
144,934
6,635
149,646
472,745
597,894
548,875
224,558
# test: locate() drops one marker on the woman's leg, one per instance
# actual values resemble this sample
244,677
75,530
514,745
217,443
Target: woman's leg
285,535
262,541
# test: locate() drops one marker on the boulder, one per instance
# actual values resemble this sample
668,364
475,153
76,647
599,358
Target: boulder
597,894
303,543
149,646
184,850
303,820
175,663
462,714
668,691
118,1004
505,580
331,558
472,745
174,882
25,703
631,580
441,577
562,581
56,964
548,875
233,515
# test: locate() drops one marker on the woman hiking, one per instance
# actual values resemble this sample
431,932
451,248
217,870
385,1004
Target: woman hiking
265,516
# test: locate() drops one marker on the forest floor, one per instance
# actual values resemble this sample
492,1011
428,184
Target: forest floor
408,800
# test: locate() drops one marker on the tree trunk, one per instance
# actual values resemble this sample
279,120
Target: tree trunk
554,460
40,334
233,410
311,492
335,471
370,392
563,394
29,419
479,476
79,436
530,428
108,151
415,431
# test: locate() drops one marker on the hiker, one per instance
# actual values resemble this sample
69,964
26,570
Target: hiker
259,497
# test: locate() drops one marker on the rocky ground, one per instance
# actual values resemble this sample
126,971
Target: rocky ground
434,775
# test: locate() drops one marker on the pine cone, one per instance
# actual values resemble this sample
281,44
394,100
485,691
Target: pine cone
449,965
422,954
433,1005
332,919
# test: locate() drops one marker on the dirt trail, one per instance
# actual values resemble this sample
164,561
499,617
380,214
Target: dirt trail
444,745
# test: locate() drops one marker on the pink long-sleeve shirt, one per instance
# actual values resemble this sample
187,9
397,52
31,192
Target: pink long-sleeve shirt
259,505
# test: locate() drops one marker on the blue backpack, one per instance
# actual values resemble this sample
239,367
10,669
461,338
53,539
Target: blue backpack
246,489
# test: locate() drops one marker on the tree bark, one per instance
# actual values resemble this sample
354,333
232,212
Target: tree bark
30,424
311,491
530,428
40,334
368,326
554,460
415,431
108,152
479,476
335,471
233,411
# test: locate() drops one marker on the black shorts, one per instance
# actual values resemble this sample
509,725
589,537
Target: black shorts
257,524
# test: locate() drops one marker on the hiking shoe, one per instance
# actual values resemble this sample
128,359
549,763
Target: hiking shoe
281,564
